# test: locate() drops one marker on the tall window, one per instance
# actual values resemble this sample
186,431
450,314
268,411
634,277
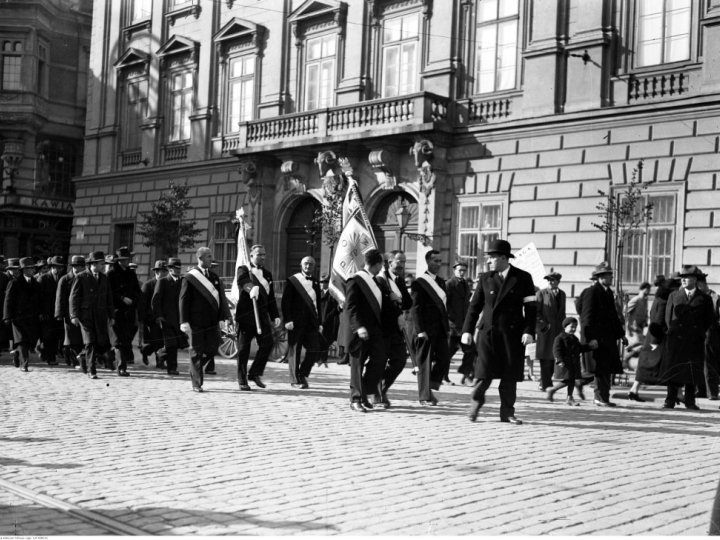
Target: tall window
497,45
241,92
140,10
650,250
664,28
11,55
135,113
124,235
320,72
42,70
225,250
480,224
181,96
400,55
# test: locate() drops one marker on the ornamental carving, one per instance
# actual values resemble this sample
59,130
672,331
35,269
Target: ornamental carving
383,165
247,170
294,181
325,162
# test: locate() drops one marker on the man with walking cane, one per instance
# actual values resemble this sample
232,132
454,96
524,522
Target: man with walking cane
202,307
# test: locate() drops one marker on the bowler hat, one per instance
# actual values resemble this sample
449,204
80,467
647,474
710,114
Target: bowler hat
690,270
42,262
659,279
160,265
110,259
124,254
13,264
553,276
602,268
57,260
27,262
501,247
77,260
174,262
460,263
96,257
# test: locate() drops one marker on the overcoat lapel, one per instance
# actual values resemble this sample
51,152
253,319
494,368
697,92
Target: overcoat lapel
506,285
369,296
435,298
304,295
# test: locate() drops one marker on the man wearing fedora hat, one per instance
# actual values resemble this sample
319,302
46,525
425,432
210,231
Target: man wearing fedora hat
458,301
91,308
709,388
602,328
73,343
51,329
126,293
165,309
151,339
4,280
505,295
688,315
23,301
550,316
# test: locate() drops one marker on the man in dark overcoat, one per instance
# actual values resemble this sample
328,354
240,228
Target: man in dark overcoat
505,295
23,306
73,343
602,328
255,282
165,305
91,308
301,314
550,316
51,329
126,293
151,338
458,302
710,387
689,314
364,303
430,324
202,306
5,277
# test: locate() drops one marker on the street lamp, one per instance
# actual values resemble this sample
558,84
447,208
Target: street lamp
403,215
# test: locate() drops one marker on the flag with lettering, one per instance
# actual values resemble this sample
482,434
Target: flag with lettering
355,240
243,257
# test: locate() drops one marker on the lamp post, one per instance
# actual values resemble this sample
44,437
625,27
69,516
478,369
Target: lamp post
403,215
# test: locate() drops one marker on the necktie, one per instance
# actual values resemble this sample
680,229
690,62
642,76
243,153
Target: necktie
205,272
502,279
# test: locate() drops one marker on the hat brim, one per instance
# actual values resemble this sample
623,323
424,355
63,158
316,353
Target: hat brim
509,255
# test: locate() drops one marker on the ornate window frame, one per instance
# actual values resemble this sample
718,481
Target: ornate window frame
181,8
132,67
315,19
131,25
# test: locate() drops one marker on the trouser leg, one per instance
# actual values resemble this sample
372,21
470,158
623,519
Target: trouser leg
395,364
479,389
508,394
602,387
265,345
547,365
171,358
311,342
244,341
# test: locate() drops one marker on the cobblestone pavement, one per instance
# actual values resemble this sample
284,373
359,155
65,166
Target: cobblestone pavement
150,453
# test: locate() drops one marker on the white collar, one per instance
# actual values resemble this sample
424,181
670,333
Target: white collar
431,274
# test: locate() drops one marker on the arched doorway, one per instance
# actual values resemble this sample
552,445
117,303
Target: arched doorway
302,239
387,230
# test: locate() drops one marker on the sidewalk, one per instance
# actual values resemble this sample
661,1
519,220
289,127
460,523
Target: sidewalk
150,453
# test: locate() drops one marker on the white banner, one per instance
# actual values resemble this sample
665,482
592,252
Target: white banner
528,259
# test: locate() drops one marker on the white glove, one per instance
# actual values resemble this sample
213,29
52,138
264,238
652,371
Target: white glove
289,325
255,293
466,338
185,327
527,339
363,333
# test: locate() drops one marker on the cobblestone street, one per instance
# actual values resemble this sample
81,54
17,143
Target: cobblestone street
149,453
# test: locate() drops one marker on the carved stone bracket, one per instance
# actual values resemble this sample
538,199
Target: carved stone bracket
248,173
430,169
294,181
383,164
326,161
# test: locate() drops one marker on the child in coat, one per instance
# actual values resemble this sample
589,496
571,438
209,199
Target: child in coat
566,350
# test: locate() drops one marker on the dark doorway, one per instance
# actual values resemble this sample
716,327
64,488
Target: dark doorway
302,238
387,231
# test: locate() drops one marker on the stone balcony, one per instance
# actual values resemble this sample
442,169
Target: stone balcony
413,113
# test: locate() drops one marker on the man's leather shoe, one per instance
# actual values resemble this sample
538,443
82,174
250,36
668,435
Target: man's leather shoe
258,381
93,375
367,404
580,392
381,402
300,385
692,407
52,363
512,420
197,389
24,369
668,406
632,396
448,382
245,387
550,395
145,359
428,402
173,372
604,403
211,372
474,410
123,374
16,358
357,407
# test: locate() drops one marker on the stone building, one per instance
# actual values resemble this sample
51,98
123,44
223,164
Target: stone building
44,56
477,118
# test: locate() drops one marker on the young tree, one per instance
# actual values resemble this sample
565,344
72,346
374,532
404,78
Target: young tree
165,226
328,219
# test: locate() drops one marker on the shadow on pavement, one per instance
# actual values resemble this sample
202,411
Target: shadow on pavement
27,439
7,462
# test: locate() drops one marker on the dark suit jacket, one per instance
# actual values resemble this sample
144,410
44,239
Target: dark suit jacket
267,307
406,298
23,304
600,322
296,309
362,312
196,309
124,284
48,286
73,334
425,313
508,311
550,315
91,302
166,303
144,312
458,301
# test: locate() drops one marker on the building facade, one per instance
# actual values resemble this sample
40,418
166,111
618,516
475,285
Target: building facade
478,118
44,57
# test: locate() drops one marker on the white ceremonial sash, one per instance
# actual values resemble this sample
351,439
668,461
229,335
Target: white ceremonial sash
393,285
258,273
307,285
367,278
431,281
205,282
